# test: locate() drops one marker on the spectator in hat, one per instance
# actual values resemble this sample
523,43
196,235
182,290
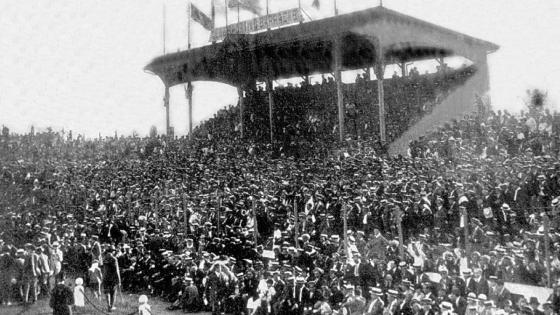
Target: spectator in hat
500,295
43,279
31,274
8,276
56,259
95,277
62,298
111,277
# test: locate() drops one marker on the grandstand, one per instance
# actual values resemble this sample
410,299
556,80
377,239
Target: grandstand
368,39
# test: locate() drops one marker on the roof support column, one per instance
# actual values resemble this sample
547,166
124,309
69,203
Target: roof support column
339,94
380,72
189,92
241,110
270,109
166,105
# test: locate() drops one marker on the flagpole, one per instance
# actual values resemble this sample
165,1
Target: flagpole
213,14
163,27
189,25
267,24
227,28
335,9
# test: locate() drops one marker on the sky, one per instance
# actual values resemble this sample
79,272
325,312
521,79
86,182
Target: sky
78,65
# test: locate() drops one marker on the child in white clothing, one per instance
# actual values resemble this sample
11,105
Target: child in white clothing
79,295
143,307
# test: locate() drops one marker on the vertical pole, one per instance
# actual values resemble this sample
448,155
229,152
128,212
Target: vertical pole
380,71
270,109
241,110
267,23
226,7
213,14
189,96
401,238
185,218
296,224
163,27
255,225
219,209
345,229
189,24
340,96
546,225
335,8
166,104
403,69
465,223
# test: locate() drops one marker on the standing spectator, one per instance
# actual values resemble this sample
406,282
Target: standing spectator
62,298
94,278
43,280
31,273
111,277
8,276
56,259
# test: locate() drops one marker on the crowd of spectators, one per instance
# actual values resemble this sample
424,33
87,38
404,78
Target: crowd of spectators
306,115
222,225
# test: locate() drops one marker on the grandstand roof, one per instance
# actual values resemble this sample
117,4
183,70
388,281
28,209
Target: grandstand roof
307,48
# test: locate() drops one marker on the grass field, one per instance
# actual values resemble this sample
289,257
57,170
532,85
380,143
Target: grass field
128,305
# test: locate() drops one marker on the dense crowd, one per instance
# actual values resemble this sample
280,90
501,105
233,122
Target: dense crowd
306,115
222,225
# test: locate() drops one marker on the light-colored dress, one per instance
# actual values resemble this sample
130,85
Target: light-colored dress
144,309
79,296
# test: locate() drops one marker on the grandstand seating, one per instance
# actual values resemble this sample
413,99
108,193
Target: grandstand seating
308,113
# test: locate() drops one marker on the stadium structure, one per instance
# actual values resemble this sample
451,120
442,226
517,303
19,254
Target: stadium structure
371,38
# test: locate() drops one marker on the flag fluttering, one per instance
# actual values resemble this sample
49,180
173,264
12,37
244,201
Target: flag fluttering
198,16
252,6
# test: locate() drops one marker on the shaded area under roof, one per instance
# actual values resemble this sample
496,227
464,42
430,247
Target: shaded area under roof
307,48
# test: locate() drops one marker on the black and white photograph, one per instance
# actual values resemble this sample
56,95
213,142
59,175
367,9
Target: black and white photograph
280,157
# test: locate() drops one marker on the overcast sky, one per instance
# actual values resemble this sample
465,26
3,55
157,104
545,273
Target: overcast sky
79,64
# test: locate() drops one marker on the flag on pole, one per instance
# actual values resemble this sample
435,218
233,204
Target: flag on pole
316,4
201,18
252,6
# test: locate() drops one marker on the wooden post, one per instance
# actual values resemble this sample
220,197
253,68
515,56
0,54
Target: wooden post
546,225
399,216
241,110
296,224
345,228
166,105
255,225
339,94
269,89
219,209
380,72
185,217
465,222
189,91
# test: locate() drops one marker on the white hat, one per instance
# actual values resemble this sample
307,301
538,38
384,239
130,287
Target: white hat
79,281
143,299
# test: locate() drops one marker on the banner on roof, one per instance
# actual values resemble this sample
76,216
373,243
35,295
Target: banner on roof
260,23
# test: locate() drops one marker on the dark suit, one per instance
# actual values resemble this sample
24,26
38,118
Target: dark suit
482,287
460,305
